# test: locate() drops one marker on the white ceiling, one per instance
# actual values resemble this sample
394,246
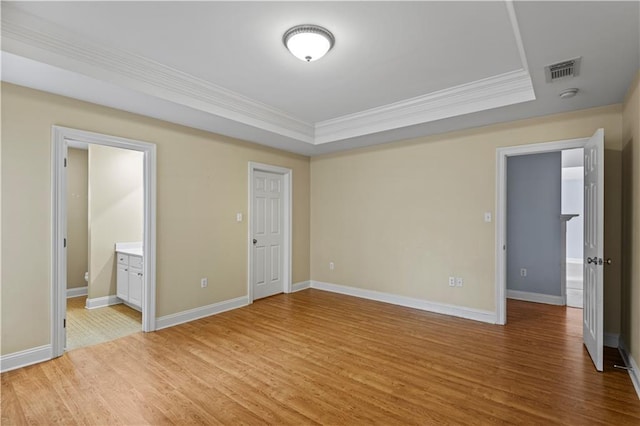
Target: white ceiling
398,69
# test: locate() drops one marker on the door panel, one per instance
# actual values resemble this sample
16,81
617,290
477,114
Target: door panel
267,235
260,217
260,262
275,216
275,262
593,312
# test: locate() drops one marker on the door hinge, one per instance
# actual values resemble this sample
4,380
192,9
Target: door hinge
64,242
65,162
64,323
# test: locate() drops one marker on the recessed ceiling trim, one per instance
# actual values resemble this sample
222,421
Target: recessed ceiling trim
29,36
493,92
516,33
32,37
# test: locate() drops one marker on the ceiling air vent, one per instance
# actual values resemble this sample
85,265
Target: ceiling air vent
561,70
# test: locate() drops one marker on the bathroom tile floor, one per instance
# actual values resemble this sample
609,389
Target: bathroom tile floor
86,327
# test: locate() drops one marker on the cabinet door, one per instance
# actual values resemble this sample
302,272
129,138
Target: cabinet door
122,282
135,287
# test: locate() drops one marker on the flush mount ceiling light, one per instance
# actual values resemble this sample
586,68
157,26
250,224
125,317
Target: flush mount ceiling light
308,42
569,93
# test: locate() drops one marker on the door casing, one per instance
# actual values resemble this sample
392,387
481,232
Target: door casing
287,175
60,137
501,210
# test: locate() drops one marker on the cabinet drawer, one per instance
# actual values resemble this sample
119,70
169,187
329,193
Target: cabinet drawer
135,262
123,259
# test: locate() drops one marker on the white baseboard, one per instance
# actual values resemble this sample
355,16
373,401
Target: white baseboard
535,297
77,292
425,305
134,307
197,313
300,286
23,358
634,373
612,340
101,302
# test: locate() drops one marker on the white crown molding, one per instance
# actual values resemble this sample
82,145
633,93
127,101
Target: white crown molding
493,92
31,37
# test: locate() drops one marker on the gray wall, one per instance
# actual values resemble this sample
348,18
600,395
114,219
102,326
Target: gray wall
533,223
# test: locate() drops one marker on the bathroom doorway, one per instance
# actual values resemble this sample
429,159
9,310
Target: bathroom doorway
140,248
105,199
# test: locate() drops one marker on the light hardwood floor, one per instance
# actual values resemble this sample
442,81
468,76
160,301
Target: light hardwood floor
314,357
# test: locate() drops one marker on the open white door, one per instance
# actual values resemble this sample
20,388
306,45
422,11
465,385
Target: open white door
592,314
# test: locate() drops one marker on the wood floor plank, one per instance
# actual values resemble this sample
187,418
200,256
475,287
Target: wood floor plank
314,357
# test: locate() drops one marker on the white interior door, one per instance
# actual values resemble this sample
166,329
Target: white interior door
267,234
592,314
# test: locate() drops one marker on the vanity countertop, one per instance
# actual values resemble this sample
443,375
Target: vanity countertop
131,251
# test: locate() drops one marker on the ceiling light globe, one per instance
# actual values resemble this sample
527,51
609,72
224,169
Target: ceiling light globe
569,93
308,42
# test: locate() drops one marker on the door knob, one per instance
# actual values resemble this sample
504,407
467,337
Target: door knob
594,260
255,241
608,261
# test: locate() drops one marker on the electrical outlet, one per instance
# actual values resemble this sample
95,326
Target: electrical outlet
523,272
459,282
331,266
452,281
204,282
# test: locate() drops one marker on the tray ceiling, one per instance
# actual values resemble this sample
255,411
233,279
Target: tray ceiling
398,69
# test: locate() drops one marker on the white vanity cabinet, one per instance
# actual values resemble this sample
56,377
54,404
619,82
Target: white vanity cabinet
129,278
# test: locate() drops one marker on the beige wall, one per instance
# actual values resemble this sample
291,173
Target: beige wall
631,220
116,211
403,217
77,225
202,184
398,218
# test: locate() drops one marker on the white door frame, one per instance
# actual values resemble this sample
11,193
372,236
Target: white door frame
60,137
501,210
287,177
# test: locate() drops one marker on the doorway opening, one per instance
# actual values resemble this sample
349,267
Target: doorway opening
545,227
573,211
120,180
592,314
105,199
